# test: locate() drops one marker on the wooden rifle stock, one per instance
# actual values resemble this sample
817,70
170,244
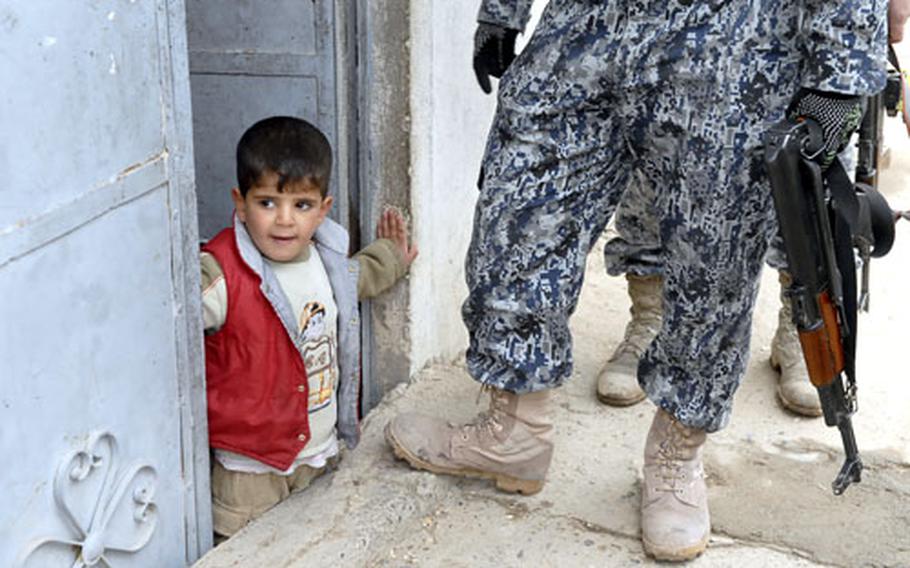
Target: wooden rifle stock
822,347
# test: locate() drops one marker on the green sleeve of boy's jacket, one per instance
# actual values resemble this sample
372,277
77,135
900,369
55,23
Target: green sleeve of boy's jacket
380,268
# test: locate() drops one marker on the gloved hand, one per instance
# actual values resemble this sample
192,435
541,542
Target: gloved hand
838,115
494,50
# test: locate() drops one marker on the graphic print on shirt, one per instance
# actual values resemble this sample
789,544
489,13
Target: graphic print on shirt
318,355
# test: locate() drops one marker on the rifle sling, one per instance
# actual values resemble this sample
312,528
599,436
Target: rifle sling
844,217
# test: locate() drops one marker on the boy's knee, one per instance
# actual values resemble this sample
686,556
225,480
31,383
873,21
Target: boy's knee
304,475
238,497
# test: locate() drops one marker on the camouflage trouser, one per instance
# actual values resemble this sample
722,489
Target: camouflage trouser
603,91
633,246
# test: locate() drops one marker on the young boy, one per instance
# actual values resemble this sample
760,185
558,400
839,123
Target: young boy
282,330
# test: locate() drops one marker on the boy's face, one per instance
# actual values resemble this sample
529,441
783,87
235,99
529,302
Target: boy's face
281,224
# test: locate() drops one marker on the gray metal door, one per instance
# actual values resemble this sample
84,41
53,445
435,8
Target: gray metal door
101,409
250,59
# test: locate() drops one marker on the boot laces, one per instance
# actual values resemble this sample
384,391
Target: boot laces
486,424
670,463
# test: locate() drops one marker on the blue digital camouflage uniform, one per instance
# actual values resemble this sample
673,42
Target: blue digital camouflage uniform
633,245
679,92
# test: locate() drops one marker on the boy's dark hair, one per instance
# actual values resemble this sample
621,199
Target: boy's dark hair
290,147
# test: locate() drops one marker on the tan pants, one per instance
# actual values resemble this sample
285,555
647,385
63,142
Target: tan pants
238,498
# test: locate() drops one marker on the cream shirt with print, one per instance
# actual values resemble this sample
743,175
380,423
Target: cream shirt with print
306,285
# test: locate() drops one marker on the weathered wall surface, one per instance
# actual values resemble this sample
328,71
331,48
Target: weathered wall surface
384,140
450,117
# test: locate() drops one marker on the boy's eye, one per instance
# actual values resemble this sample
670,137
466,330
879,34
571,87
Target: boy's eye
304,205
266,203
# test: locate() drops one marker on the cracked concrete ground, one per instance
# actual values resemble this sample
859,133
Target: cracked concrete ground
769,472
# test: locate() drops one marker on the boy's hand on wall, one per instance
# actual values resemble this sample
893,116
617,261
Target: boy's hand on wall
392,226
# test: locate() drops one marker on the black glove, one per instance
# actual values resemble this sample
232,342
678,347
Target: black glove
838,115
494,50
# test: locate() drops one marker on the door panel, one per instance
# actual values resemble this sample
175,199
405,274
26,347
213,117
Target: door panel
80,86
273,26
218,134
250,59
101,419
93,350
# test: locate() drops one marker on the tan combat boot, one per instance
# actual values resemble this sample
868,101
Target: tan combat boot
675,523
794,389
510,443
617,383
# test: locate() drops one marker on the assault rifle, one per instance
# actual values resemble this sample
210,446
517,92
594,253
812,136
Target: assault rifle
822,218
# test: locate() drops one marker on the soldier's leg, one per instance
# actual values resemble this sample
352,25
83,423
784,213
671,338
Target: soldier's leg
716,220
696,361
794,389
713,260
633,249
633,238
552,173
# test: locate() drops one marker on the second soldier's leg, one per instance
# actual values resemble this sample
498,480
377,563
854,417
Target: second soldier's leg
794,389
633,249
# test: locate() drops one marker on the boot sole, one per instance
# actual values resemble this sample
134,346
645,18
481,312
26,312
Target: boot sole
620,402
504,483
675,555
807,411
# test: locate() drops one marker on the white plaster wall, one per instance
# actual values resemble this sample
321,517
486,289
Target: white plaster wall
450,117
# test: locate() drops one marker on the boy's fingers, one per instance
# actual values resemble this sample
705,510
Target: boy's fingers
382,229
396,223
392,226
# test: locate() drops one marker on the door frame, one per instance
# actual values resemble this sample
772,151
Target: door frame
382,138
186,278
372,79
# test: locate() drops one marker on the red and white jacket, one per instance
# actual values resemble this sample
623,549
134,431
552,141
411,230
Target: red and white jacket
254,365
